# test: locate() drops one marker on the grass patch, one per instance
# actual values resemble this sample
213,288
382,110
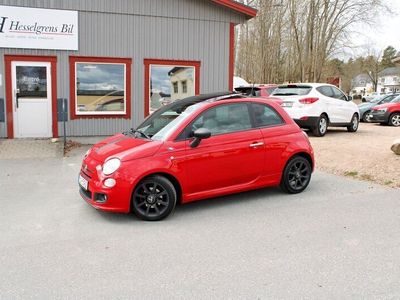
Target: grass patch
351,173
367,177
388,182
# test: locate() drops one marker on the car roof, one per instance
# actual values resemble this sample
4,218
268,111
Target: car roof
311,84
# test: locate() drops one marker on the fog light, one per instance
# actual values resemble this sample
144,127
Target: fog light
109,182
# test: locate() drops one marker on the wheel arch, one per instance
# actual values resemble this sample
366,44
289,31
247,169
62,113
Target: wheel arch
305,155
175,182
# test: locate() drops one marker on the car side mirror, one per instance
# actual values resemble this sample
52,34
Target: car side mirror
349,98
199,134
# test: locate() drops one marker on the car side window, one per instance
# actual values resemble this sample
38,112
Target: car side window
326,90
338,94
224,119
265,116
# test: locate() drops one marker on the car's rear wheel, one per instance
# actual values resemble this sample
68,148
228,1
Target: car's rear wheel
322,126
154,198
394,119
296,176
365,116
354,124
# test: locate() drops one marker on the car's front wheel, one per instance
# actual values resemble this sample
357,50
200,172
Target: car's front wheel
321,127
154,198
296,176
365,117
354,124
394,119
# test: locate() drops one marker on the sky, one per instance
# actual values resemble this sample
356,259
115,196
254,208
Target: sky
385,32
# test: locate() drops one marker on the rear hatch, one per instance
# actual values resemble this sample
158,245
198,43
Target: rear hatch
292,93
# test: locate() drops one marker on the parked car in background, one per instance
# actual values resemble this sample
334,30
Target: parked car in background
195,148
388,113
258,90
316,106
370,96
365,108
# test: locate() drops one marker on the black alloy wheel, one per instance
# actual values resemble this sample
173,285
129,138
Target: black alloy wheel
354,124
296,176
154,198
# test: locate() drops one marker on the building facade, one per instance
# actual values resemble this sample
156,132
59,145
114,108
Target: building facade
113,61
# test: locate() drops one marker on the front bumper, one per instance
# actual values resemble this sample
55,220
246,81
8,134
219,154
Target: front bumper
379,117
115,199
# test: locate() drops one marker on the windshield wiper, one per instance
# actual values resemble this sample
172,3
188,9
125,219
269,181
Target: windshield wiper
134,131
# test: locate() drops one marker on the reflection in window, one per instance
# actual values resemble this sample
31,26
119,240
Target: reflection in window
169,83
184,87
100,88
31,81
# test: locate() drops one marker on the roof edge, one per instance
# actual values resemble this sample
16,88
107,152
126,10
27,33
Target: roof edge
238,7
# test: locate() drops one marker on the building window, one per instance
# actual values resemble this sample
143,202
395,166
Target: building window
169,80
175,85
100,87
184,87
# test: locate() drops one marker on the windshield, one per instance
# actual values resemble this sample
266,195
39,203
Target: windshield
161,123
292,90
378,98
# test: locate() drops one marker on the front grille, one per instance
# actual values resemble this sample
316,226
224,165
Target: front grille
85,193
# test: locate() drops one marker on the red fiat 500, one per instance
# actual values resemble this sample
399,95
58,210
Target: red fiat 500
199,147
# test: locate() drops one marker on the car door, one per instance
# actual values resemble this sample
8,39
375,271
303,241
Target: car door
274,131
232,156
345,109
331,103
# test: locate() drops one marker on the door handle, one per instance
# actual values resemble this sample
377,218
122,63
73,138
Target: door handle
253,145
16,92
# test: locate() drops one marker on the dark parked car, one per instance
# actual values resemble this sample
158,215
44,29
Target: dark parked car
365,108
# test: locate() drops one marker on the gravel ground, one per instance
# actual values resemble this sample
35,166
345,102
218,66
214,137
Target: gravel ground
364,155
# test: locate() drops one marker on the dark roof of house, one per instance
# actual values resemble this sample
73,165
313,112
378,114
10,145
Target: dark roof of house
238,7
390,71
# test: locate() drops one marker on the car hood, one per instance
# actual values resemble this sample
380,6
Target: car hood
124,147
386,105
365,105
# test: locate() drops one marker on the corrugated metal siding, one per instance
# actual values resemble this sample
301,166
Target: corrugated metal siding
198,30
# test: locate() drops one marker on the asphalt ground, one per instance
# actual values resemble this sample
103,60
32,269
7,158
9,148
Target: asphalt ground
340,239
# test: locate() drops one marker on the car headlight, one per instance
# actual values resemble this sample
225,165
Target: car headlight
111,165
382,110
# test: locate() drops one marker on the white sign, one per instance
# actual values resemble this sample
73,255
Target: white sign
36,28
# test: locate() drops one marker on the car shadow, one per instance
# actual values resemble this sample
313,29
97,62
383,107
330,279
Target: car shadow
192,208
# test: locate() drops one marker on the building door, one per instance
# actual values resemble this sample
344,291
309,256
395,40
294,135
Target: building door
31,99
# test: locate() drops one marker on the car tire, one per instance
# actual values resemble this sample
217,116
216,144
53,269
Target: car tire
322,126
365,117
154,198
394,119
296,175
354,124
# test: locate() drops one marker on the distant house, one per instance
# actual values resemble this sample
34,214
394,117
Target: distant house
182,79
389,80
361,84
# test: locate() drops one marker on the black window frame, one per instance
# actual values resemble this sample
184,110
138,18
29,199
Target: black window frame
185,134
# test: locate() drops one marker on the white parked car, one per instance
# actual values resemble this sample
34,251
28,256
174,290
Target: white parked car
316,106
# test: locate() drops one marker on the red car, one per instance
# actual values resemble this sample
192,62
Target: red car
195,148
388,113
